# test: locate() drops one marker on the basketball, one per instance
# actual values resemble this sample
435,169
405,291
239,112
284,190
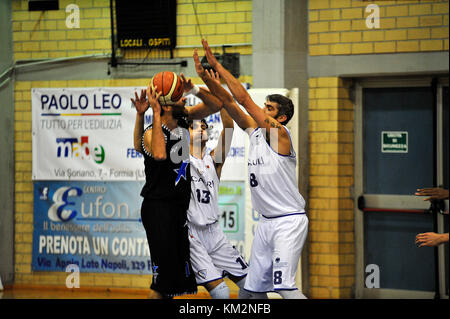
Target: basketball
170,85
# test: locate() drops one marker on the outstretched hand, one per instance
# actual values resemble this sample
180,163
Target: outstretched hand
198,65
429,239
140,103
433,193
202,73
187,84
209,55
214,76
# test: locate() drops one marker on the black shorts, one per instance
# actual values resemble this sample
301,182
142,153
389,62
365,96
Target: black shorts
167,234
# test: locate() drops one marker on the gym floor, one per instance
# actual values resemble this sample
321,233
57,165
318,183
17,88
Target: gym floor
30,292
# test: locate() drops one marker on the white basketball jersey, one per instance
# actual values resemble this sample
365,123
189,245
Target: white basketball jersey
273,181
204,204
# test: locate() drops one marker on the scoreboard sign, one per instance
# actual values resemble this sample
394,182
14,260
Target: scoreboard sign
146,24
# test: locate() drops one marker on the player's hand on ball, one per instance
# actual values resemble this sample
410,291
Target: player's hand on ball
140,103
153,99
187,84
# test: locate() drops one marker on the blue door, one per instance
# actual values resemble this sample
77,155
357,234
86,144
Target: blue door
399,152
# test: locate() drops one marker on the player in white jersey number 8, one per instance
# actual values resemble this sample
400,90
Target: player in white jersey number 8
283,226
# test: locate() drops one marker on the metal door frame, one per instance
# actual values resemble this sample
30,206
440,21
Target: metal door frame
391,201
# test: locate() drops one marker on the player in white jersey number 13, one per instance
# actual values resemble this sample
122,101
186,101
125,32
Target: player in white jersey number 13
212,255
283,225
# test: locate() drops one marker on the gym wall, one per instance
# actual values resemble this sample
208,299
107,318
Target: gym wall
413,37
342,48
43,35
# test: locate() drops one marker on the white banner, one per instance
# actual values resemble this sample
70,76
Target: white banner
86,134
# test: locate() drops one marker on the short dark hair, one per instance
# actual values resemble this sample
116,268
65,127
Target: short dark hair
191,123
285,106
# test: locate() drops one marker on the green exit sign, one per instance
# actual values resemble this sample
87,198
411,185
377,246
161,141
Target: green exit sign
394,142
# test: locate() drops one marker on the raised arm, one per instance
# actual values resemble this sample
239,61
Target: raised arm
141,104
154,139
243,120
239,92
220,153
242,97
210,104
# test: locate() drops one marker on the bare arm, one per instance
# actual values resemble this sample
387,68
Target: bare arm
241,95
220,153
210,104
243,120
239,92
141,104
154,139
224,143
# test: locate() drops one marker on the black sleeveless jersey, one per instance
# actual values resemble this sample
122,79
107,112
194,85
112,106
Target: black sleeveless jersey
169,179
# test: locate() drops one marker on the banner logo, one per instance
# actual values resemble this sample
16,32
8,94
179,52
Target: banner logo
70,147
60,210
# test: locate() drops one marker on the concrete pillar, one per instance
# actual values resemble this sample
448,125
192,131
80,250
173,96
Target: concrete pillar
280,52
6,146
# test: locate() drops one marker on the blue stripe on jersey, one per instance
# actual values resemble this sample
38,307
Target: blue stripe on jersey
289,289
283,215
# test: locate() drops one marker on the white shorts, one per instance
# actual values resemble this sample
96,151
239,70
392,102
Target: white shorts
212,255
276,250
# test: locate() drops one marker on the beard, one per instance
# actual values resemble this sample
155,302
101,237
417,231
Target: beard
178,109
178,114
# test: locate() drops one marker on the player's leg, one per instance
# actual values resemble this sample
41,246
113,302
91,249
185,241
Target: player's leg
226,257
153,241
245,294
292,294
289,238
205,272
169,248
259,278
218,289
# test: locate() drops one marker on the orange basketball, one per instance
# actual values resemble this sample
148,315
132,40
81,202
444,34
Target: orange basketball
170,85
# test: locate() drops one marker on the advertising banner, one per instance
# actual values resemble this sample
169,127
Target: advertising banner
86,134
97,225
94,225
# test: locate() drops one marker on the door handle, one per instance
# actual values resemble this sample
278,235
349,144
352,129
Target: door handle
362,207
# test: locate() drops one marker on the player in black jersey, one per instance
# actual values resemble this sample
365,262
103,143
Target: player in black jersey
166,193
